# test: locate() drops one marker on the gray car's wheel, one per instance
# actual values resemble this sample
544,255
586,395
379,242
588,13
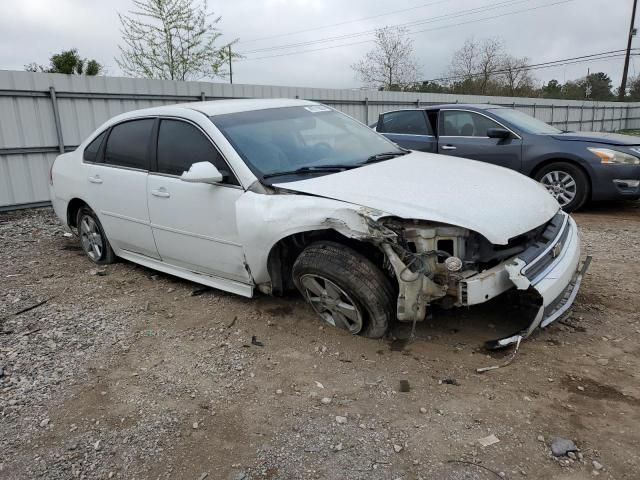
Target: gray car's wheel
566,182
92,238
345,288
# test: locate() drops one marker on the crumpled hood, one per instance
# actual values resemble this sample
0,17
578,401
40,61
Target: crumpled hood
598,137
496,202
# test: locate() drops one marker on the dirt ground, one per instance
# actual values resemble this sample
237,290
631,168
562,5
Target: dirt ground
130,373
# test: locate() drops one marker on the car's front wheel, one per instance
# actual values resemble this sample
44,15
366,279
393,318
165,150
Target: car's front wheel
93,239
566,182
345,288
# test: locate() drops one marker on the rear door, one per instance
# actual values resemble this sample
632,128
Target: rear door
118,185
463,133
194,224
408,128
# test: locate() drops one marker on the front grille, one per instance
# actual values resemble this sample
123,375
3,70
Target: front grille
546,249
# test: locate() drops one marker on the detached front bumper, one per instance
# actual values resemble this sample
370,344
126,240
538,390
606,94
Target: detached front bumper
549,273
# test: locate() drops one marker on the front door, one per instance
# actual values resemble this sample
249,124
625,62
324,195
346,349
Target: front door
194,224
463,133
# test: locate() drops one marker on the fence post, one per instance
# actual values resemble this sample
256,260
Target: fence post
56,118
626,120
604,114
551,122
566,122
534,110
203,97
418,103
581,116
366,110
593,116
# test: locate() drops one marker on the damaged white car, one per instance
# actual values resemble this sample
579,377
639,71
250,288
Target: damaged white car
272,195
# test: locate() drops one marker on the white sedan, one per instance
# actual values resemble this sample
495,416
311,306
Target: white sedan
272,195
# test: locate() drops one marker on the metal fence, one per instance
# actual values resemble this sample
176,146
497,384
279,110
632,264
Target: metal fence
42,115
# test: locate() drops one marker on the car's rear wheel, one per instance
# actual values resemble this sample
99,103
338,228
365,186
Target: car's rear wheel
93,239
345,289
566,182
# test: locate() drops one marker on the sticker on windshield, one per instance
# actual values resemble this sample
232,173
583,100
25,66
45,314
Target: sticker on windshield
317,108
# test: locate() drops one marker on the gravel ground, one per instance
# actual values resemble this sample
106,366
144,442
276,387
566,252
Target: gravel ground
124,372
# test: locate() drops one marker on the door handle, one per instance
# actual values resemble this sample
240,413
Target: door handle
160,193
447,147
95,179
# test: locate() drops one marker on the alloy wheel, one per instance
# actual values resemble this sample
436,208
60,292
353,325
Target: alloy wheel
561,185
332,303
91,238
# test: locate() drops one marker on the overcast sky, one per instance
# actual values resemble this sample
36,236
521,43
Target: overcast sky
31,30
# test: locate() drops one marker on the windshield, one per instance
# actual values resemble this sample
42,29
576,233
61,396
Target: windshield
524,122
312,139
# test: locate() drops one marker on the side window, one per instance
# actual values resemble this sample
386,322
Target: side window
180,145
91,152
455,123
128,144
411,122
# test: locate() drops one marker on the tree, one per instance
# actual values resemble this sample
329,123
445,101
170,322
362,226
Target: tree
516,78
553,89
476,64
634,88
598,86
69,62
172,39
390,65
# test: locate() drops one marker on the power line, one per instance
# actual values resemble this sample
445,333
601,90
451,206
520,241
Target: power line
411,33
470,11
322,27
536,66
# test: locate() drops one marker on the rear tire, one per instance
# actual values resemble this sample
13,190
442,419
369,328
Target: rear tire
92,238
345,288
568,183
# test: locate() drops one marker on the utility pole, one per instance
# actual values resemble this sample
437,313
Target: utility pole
632,31
231,69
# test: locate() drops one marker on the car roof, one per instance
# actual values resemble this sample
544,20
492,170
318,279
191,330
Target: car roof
469,106
216,107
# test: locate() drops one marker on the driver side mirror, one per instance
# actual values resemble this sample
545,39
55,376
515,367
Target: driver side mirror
498,133
202,172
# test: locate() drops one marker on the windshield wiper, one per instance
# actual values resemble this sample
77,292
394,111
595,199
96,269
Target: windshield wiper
313,169
379,157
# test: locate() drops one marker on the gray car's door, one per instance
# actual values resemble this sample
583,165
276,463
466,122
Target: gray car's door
408,128
463,133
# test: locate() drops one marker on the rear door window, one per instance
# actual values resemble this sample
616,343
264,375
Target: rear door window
91,152
181,144
408,122
128,144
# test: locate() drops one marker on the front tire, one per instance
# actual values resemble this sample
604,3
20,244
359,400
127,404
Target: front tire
567,183
345,288
92,238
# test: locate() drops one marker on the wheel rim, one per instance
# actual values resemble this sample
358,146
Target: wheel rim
561,185
332,303
91,238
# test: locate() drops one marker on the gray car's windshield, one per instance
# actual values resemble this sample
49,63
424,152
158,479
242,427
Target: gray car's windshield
524,122
312,139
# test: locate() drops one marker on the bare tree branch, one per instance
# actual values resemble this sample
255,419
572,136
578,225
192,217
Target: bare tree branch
390,65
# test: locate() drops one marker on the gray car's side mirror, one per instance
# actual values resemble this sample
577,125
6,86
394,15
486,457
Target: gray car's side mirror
202,172
498,133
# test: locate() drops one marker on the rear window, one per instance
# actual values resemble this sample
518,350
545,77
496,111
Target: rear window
128,144
408,122
91,152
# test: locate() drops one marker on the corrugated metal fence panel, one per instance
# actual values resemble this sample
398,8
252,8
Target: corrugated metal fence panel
27,119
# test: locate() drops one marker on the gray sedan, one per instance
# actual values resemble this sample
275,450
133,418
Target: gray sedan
574,166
